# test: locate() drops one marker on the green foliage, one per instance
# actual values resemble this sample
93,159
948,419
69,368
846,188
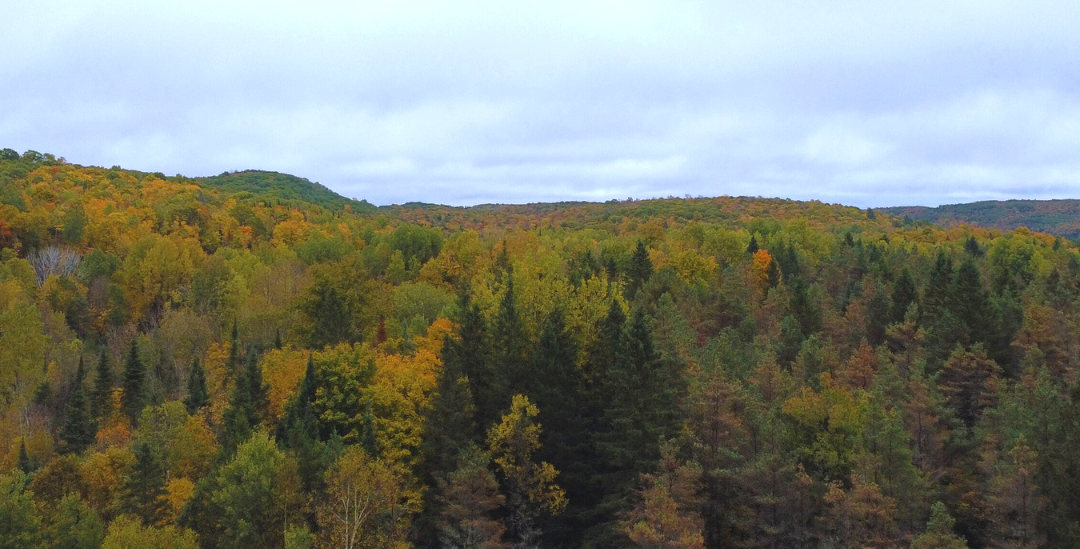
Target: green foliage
79,427
143,493
128,533
18,517
198,396
134,396
831,373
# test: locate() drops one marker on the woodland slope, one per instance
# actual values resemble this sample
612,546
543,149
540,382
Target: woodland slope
252,361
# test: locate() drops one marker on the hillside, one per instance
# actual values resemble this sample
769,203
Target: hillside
1057,217
186,363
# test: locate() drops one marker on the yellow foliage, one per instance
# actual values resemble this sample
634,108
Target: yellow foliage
282,370
178,492
399,395
193,452
104,475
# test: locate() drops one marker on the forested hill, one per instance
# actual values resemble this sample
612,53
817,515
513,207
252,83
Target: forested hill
1058,217
281,187
188,364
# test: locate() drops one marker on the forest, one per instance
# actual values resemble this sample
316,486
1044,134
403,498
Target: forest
252,361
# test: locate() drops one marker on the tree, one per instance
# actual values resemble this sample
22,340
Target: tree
72,525
250,501
133,399
248,404
530,486
366,504
128,533
101,398
197,394
640,270
143,494
939,531
468,497
968,382
903,296
79,429
666,517
18,517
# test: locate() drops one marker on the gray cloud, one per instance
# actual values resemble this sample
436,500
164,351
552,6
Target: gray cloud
466,102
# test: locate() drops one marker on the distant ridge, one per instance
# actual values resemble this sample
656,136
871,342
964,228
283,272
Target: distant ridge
284,187
1057,217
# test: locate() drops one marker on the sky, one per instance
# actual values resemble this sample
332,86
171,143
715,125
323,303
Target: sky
861,103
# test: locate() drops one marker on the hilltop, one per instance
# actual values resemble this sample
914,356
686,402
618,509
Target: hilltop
1056,217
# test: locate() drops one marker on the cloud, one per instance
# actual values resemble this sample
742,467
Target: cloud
465,102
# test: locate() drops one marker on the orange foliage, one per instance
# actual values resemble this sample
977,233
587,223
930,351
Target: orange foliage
762,259
283,369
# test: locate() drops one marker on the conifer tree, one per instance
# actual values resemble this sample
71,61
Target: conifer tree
939,531
903,295
133,398
474,351
197,394
79,429
101,398
25,464
299,422
641,269
752,247
450,428
144,490
640,413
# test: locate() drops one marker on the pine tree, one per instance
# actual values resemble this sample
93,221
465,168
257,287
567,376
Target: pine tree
903,296
143,492
258,389
133,399
558,389
299,422
752,247
641,412
101,398
79,429
509,344
25,464
939,531
197,394
450,428
641,269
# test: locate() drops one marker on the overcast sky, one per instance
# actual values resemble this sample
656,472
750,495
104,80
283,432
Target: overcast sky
862,103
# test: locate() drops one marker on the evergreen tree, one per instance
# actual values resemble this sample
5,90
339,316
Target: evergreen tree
641,412
640,270
299,417
133,399
79,429
299,430
144,492
24,463
197,394
935,299
259,389
510,346
970,304
1059,475
939,531
877,318
752,247
101,398
449,428
558,389
903,295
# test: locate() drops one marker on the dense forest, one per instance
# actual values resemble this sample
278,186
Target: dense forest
252,361
1057,217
